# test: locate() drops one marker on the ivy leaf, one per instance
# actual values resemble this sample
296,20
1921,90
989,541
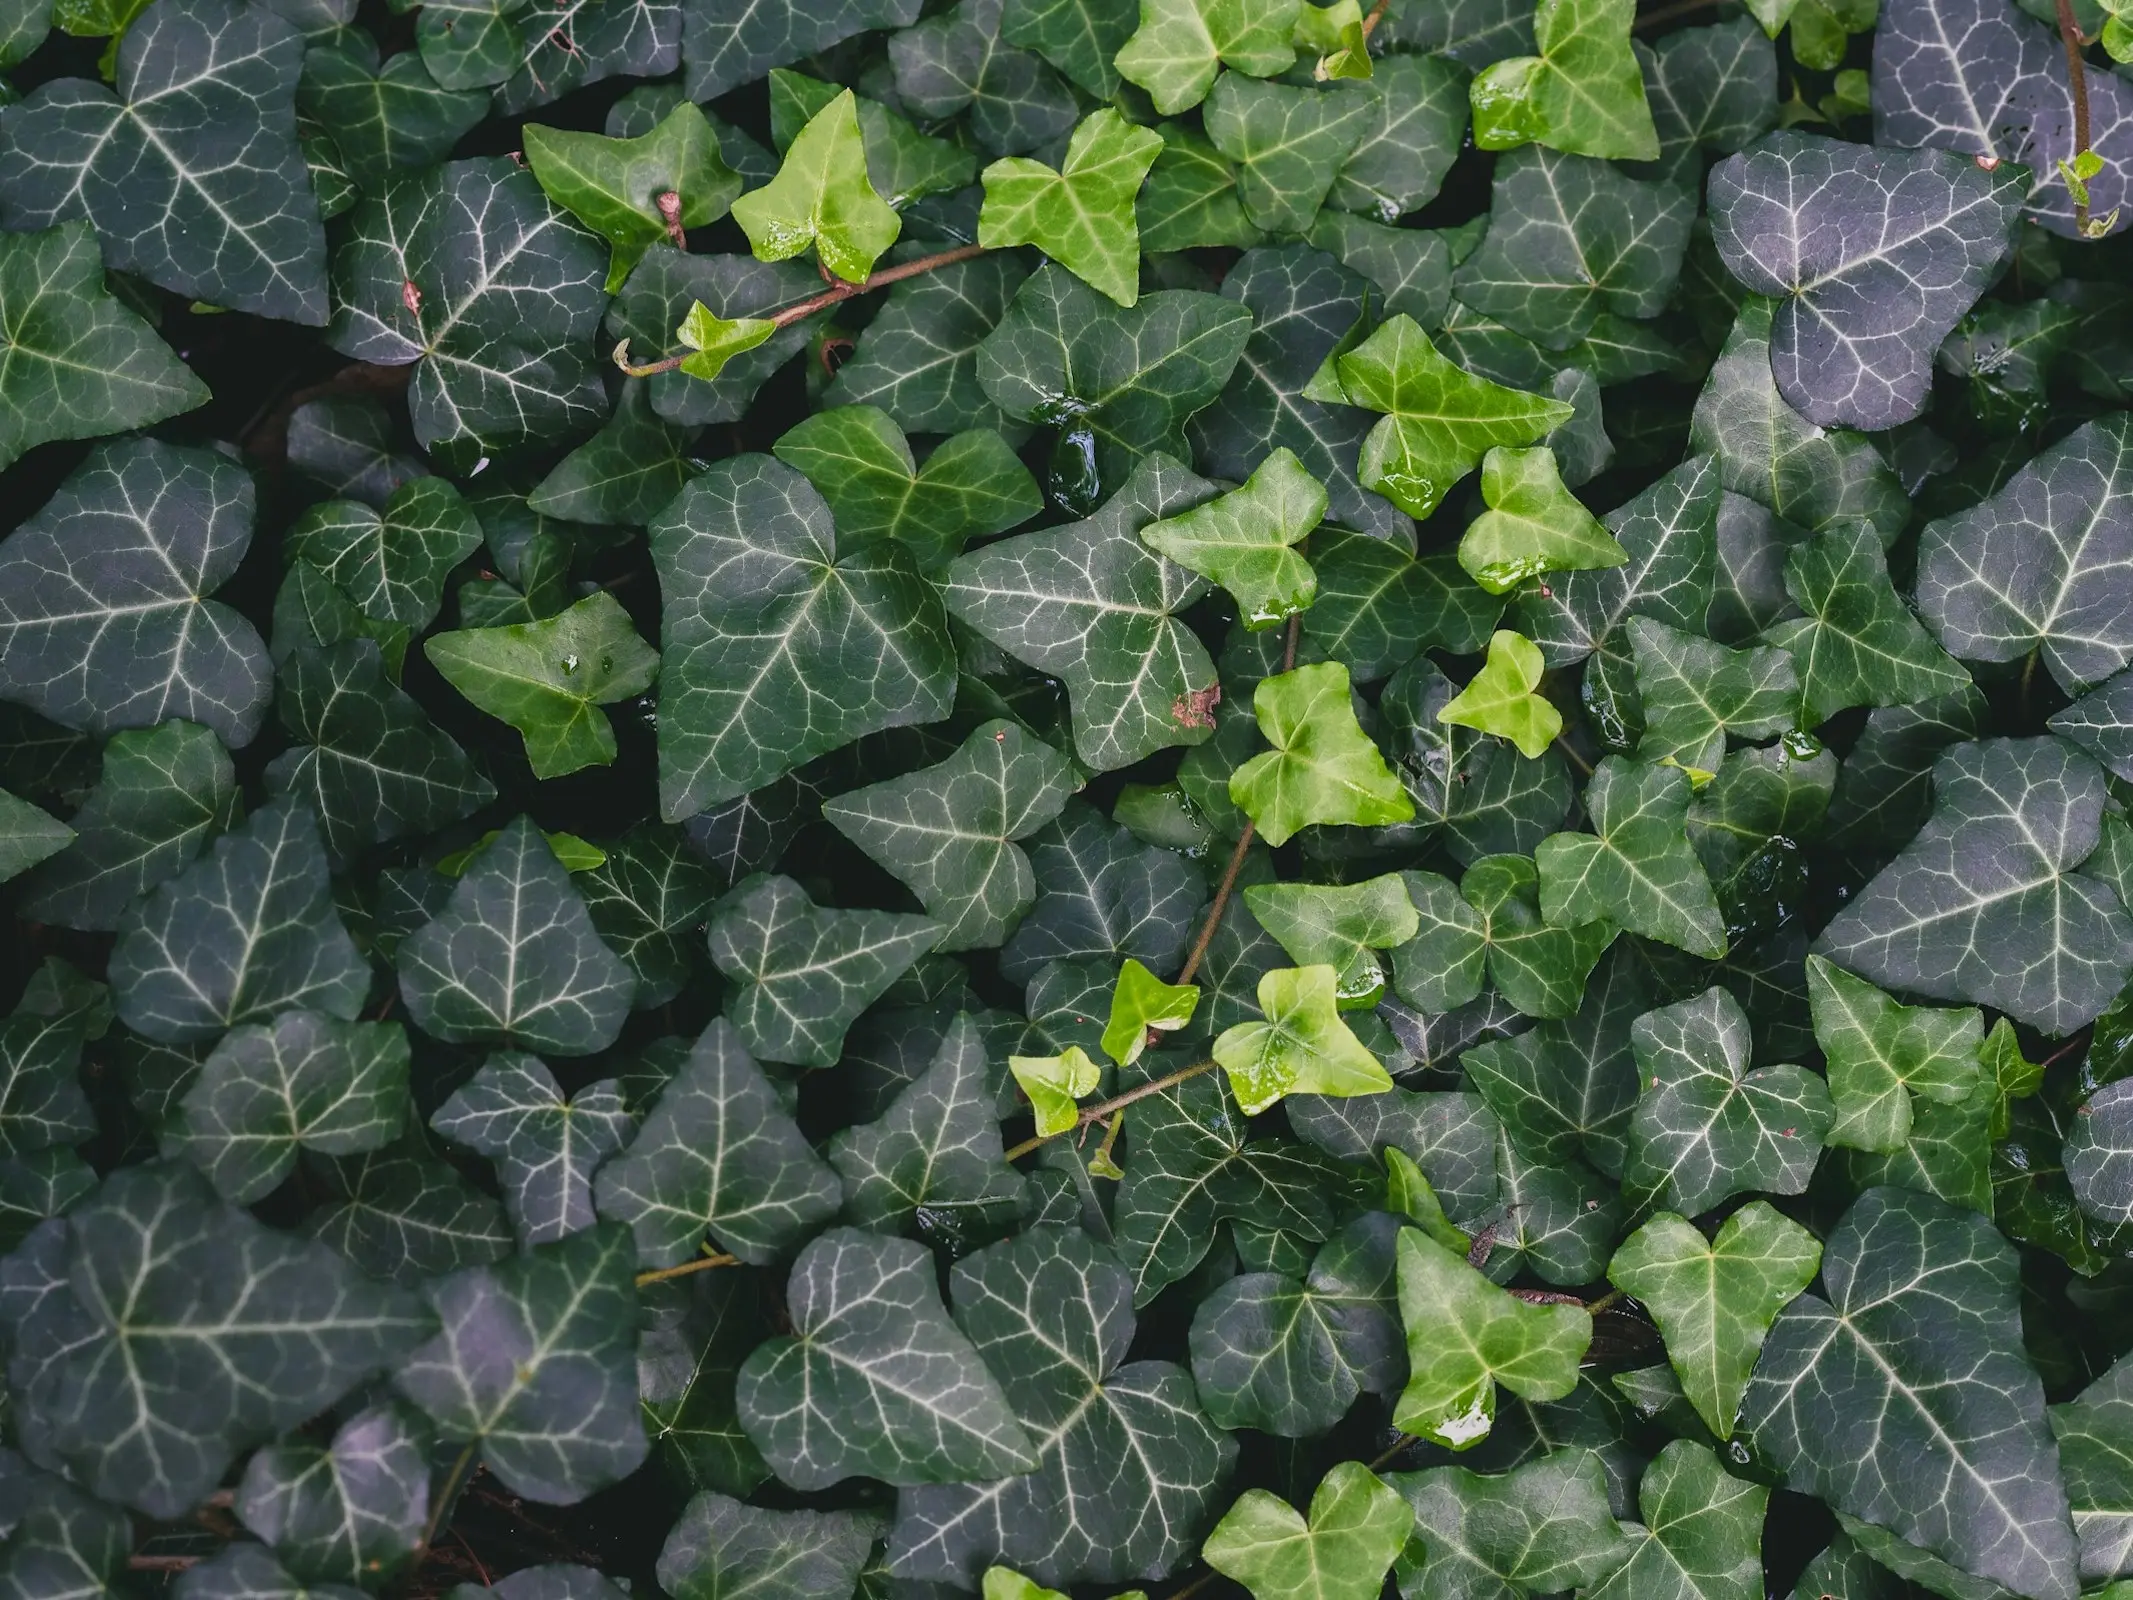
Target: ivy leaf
1694,693
1993,872
732,350
1571,239
393,562
176,1331
27,836
648,899
804,974
948,831
1192,1167
1714,1299
1533,525
1119,383
513,958
545,1146
955,62
1290,143
1122,1450
548,679
244,932
469,272
1582,93
1905,241
1905,1400
1358,1524
2093,1446
350,1511
537,1364
1640,871
1244,540
1857,643
1181,45
80,364
2098,1154
719,1153
722,1549
1702,1537
625,473
383,118
1439,419
1465,1336
869,1331
1403,157
1503,698
1322,769
371,765
774,648
1102,894
403,1215
619,188
822,198
306,1081
1081,214
1338,925
1541,1528
164,792
1140,1003
1378,607
1288,1355
1301,1047
2033,567
1304,308
1054,1083
725,49
1882,1055
697,1332
1079,37
918,358
1706,1127
936,1151
42,1105
192,178
104,620
1493,921
1088,603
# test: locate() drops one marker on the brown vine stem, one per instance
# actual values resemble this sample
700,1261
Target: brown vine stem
836,295
1377,15
700,1264
2078,80
160,1563
1096,1113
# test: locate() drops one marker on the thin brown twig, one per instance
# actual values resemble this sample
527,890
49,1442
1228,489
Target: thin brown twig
700,1264
2078,81
1377,15
837,294
1096,1113
161,1563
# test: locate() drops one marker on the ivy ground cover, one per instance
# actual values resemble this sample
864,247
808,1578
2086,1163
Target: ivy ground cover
1066,799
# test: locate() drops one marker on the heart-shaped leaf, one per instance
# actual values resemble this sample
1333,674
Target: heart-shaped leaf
722,1548
1182,44
1541,1528
1081,214
1290,143
1302,1047
1244,540
1338,925
545,1146
1102,894
1695,693
1857,644
1884,1056
350,1511
1322,769
1702,1536
1582,93
1357,1525
822,198
1504,698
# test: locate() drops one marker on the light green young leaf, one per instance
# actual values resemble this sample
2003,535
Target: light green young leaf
1533,524
1358,1524
822,198
636,192
1465,1336
1714,1299
1694,693
1858,644
713,340
1637,868
1342,926
1303,1046
1181,45
1883,1054
1139,1002
1244,540
903,164
1054,1084
1439,419
1583,93
860,461
548,679
1702,1536
1323,769
1504,697
1081,215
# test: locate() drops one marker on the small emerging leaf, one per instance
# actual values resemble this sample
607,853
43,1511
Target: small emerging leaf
1054,1084
1082,214
1503,698
1142,1001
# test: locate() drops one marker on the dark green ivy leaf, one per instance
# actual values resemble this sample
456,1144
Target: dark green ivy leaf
545,1146
723,1549
350,1511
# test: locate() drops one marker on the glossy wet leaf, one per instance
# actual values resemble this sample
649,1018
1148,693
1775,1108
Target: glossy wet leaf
619,187
1582,93
1081,213
1182,44
1301,1047
1861,313
1356,1526
1465,1336
2013,819
1534,525
1905,1398
1637,868
1321,769
869,1330
1715,1298
1439,419
1338,925
775,645
1244,540
513,958
822,199
1054,1084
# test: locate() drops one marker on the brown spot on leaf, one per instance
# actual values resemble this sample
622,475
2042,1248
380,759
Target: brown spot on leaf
411,297
1196,709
